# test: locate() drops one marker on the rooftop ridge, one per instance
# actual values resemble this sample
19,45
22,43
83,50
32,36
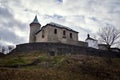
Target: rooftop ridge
61,26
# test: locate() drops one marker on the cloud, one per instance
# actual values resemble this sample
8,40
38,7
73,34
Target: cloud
85,16
11,30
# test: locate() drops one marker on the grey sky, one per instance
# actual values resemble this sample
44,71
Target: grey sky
85,16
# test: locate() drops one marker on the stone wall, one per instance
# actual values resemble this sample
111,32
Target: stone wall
81,43
103,46
42,36
62,49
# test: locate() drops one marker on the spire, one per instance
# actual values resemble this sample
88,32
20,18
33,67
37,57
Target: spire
88,36
35,20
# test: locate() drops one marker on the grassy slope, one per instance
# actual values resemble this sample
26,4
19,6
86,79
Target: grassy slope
35,66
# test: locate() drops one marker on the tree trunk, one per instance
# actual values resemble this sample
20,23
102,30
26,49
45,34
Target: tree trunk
108,46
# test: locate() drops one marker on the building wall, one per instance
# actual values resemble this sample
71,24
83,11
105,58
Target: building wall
51,36
60,37
42,36
81,43
92,43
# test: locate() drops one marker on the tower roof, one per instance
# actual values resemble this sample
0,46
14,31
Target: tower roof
89,38
35,20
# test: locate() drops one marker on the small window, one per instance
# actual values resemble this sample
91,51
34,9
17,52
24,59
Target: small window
42,36
55,31
64,33
70,35
43,33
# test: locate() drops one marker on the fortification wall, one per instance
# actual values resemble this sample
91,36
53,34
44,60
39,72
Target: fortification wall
62,49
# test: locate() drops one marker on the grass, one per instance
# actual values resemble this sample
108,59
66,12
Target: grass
72,67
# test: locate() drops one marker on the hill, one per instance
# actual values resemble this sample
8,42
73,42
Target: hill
38,66
1,54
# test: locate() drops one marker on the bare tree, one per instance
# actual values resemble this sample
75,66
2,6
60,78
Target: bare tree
109,35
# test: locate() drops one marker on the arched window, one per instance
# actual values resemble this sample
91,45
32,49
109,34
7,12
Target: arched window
70,35
55,31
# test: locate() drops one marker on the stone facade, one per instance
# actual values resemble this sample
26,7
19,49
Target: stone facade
52,33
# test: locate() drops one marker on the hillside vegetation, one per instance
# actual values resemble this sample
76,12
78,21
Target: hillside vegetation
38,66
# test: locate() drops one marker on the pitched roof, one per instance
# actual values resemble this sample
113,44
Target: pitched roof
58,26
89,38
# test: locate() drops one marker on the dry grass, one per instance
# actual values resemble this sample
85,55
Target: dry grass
73,67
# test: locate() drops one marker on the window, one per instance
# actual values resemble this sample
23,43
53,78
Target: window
70,35
55,31
43,34
64,33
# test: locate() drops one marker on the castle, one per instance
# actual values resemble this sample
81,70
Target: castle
53,32
56,33
55,39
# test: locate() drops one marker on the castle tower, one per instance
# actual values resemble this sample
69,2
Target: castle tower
34,27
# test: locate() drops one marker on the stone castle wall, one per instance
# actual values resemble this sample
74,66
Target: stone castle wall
62,49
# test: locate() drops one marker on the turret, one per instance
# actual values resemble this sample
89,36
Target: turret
34,27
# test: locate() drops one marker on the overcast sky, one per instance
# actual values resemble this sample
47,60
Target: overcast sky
84,16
